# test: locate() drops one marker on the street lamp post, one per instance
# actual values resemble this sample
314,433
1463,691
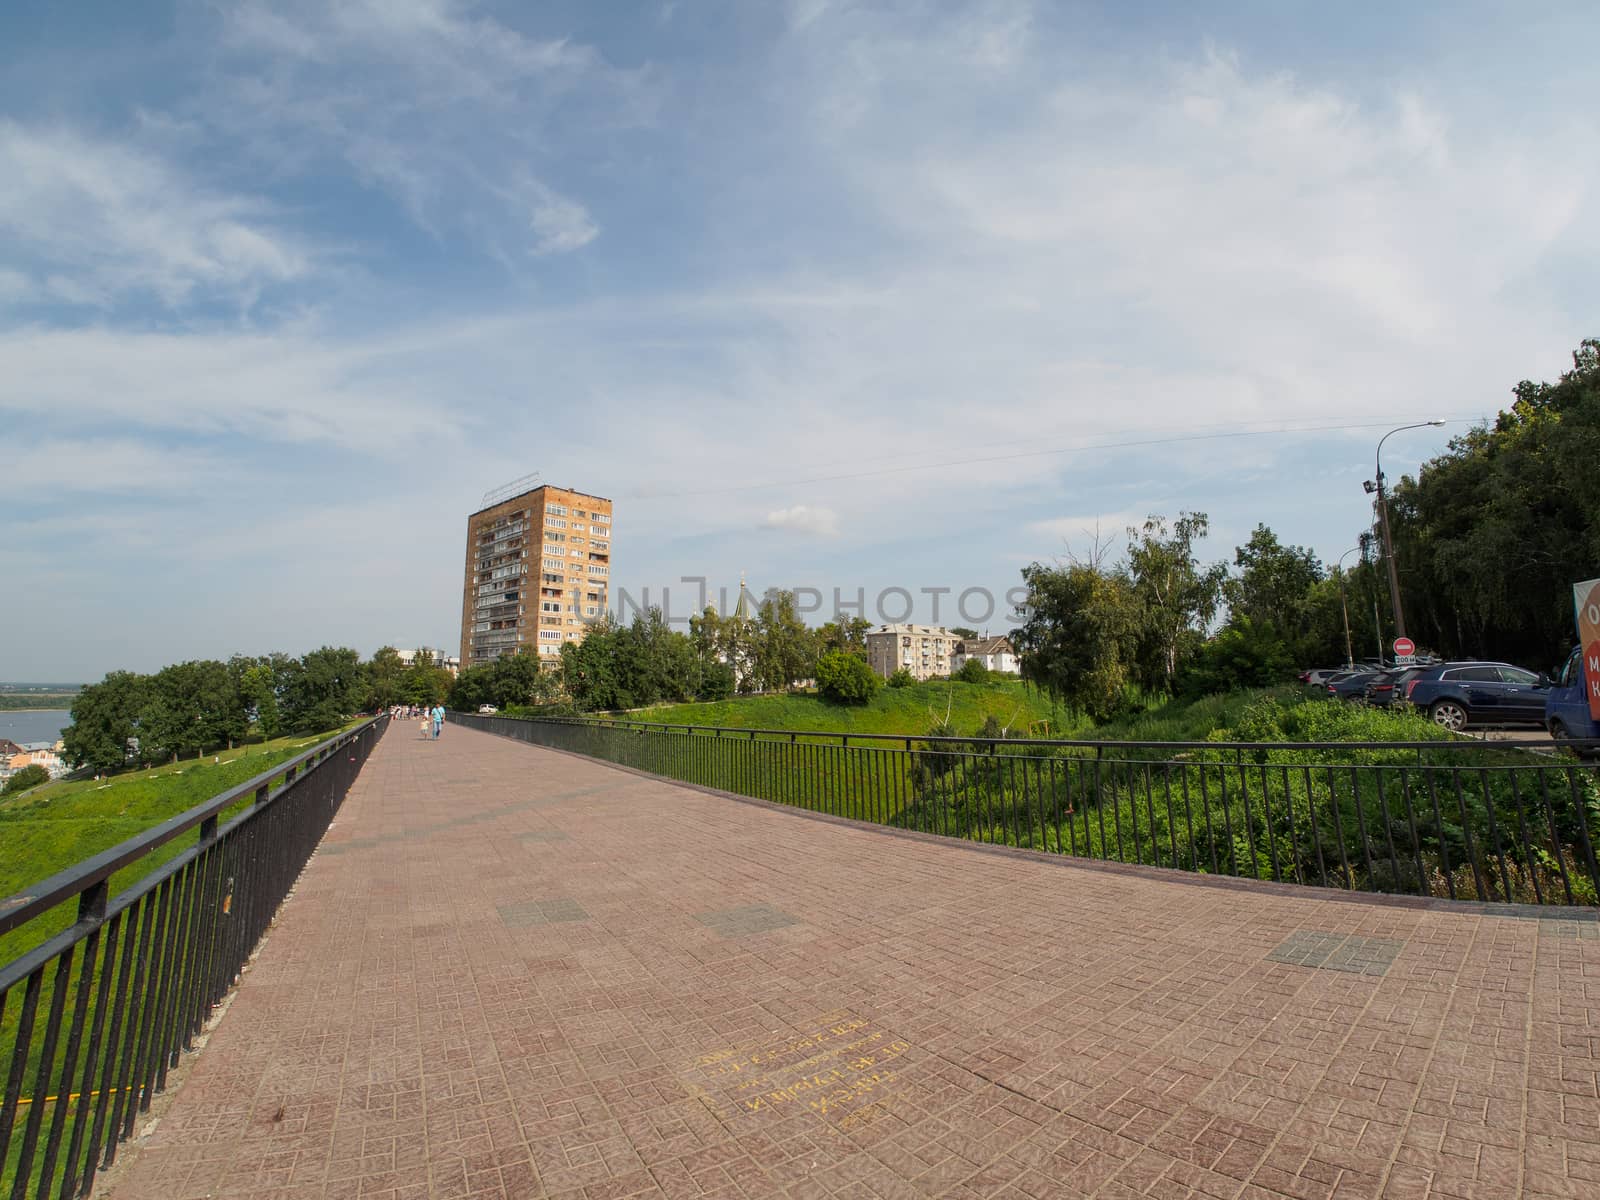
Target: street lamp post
1383,519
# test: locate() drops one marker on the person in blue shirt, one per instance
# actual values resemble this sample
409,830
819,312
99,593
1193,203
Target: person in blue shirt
438,719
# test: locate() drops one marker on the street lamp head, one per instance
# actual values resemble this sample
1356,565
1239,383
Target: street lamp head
1435,423
1369,486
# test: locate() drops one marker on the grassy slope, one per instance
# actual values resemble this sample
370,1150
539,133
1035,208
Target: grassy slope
916,708
910,709
49,828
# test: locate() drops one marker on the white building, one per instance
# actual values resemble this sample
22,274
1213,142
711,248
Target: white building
996,653
923,650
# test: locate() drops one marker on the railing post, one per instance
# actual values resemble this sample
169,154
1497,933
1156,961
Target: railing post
92,902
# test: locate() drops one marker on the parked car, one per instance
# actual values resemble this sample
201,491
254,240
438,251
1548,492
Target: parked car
487,710
1318,676
1383,690
1352,685
1566,703
1458,694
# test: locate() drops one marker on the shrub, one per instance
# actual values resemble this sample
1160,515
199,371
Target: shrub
30,776
717,681
972,671
845,677
1242,655
901,678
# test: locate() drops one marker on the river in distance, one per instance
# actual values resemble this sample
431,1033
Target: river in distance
33,724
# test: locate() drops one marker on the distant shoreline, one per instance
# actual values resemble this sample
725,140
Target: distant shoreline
27,701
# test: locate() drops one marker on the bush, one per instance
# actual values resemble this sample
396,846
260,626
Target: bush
845,677
972,671
30,776
1244,654
901,678
717,681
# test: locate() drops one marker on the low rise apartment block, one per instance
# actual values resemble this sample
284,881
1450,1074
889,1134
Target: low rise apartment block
996,653
923,650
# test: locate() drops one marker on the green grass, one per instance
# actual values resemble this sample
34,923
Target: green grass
912,709
917,708
49,828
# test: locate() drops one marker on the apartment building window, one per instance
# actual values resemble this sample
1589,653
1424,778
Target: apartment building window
555,523
575,553
589,610
549,620
550,606
578,512
578,541
550,635
601,545
555,537
559,510
555,565
597,570
550,578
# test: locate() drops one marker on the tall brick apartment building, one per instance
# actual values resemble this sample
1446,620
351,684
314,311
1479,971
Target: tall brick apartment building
538,565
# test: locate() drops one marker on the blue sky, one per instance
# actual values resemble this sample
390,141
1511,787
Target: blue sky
840,295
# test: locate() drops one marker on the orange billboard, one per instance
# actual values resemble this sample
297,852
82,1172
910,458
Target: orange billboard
1586,598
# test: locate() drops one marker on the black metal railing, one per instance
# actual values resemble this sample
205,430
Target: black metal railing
1461,820
94,1016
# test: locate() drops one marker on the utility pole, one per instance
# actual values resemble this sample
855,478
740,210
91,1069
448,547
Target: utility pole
1344,606
1388,538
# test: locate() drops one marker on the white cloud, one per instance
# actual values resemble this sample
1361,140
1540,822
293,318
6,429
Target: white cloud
805,518
109,221
53,467
270,388
558,224
454,113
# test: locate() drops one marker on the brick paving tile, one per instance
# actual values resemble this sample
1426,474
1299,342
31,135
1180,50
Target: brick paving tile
512,972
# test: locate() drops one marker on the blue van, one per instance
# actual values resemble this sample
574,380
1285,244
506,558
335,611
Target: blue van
1566,704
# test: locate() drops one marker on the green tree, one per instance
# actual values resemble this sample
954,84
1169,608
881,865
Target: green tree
1080,634
324,689
190,707
961,631
587,669
901,678
845,677
105,720
258,687
848,634
518,679
1277,588
1491,535
785,647
425,681
386,678
1243,654
1178,597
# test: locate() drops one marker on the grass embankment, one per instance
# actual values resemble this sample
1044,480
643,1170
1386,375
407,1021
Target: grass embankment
49,828
1022,711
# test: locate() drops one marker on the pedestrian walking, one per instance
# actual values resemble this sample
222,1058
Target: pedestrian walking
438,719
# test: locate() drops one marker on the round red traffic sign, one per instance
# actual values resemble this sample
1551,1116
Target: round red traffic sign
1404,647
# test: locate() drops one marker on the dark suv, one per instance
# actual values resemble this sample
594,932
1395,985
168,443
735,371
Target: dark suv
1457,694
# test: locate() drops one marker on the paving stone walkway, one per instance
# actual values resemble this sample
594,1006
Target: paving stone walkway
512,972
